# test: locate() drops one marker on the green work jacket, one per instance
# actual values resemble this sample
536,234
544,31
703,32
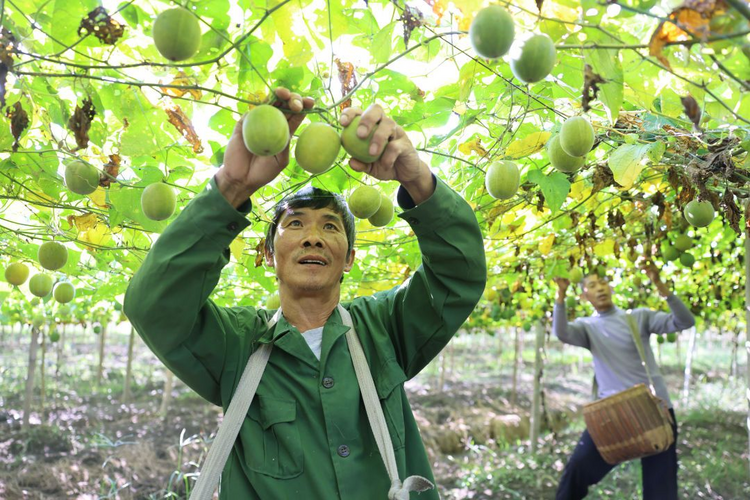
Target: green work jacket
306,435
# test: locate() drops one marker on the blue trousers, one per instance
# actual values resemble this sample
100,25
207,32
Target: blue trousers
586,467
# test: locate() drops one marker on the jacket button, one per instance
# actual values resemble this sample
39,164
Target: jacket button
328,382
343,451
413,221
232,226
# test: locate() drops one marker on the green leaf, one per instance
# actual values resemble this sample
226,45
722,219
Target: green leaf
382,44
606,63
627,161
555,187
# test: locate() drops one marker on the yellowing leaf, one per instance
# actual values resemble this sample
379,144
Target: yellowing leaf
578,190
529,145
473,145
99,235
236,248
606,247
545,246
83,222
99,197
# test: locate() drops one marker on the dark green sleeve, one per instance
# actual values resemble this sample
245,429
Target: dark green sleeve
167,299
429,308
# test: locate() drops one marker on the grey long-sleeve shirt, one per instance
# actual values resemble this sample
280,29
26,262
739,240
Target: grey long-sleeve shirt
617,365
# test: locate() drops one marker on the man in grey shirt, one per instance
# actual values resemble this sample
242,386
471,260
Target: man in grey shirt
617,366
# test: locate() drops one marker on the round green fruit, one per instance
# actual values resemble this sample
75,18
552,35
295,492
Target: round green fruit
637,281
660,339
54,336
687,259
527,327
669,253
52,255
97,329
158,201
63,311
501,180
364,202
265,130
35,301
273,302
38,321
683,242
576,275
177,34
561,160
699,213
384,213
672,337
532,59
491,32
577,136
317,148
64,292
81,178
16,274
570,302
357,148
40,285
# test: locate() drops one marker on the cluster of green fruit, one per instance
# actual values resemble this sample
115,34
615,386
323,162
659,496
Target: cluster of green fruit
51,256
492,34
157,200
568,149
671,337
679,250
366,202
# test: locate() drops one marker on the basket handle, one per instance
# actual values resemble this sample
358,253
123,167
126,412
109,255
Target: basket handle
641,351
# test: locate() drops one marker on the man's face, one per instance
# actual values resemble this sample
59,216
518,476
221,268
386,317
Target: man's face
597,291
310,251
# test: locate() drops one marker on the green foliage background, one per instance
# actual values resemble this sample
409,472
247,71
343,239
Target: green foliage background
461,111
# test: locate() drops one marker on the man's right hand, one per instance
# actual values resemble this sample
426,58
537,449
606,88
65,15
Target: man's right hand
243,173
562,288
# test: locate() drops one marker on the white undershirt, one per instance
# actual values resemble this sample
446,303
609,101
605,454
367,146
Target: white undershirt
314,339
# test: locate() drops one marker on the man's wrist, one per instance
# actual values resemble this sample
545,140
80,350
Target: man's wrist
421,188
233,192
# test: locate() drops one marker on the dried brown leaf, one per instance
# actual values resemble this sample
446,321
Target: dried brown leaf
732,212
19,121
99,23
590,86
348,80
692,110
412,19
111,170
602,178
260,252
7,43
182,123
80,122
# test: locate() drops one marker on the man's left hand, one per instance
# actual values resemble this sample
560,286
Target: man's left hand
399,161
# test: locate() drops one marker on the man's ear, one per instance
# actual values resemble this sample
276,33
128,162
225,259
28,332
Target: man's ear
349,262
268,256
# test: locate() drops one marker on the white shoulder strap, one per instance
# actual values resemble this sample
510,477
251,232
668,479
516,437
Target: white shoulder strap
243,396
208,479
375,415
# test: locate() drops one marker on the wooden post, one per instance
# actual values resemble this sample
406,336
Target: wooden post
517,342
167,396
128,370
536,404
689,366
41,373
30,378
100,370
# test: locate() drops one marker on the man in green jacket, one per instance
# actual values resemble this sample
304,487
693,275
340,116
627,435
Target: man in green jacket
306,434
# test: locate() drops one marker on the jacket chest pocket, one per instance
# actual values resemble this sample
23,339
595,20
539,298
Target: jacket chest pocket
388,384
270,438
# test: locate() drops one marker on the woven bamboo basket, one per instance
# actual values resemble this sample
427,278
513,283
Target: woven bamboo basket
630,424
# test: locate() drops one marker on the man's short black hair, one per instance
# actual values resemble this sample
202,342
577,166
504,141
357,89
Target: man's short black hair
315,198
